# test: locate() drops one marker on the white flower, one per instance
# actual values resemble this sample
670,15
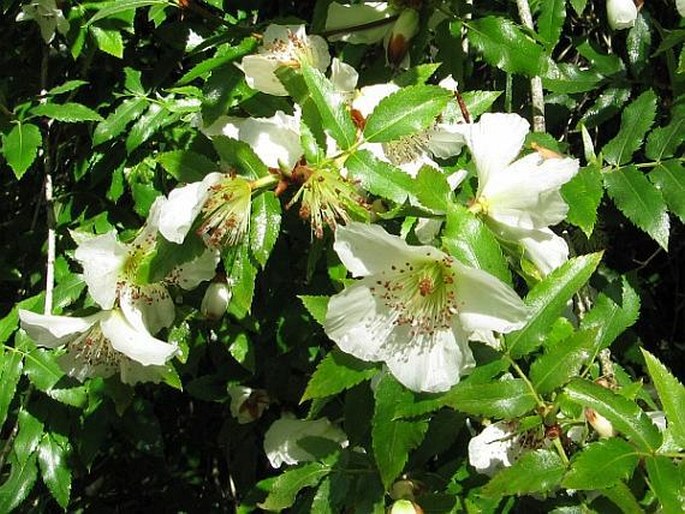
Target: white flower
111,270
680,6
48,17
100,345
411,153
621,14
283,45
275,140
521,198
223,203
343,77
247,404
281,441
414,307
496,447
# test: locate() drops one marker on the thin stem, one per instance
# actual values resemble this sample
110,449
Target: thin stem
536,95
48,192
529,384
560,450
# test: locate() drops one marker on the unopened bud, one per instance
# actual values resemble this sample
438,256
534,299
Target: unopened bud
405,28
621,14
403,490
248,404
601,425
216,300
405,507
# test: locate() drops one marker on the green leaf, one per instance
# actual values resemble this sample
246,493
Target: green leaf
129,110
186,166
535,471
146,126
471,242
672,396
640,201
29,435
108,40
286,486
623,413
548,299
393,439
551,21
638,44
608,104
337,372
240,155
69,112
10,371
243,272
416,75
68,291
316,306
601,464
506,46
478,102
623,497
558,365
499,399
669,179
42,369
19,483
667,483
69,85
20,147
570,78
224,55
118,6
52,458
583,193
331,106
614,310
432,190
378,177
133,81
663,142
219,92
405,112
578,6
635,122
265,225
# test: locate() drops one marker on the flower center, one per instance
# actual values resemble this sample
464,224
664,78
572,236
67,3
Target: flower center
406,149
226,213
289,52
93,352
420,296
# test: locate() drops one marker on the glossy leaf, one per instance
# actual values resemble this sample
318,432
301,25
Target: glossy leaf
570,78
583,194
18,485
562,362
20,147
52,459
242,271
285,488
672,396
636,120
68,86
378,177
405,112
548,299
551,20
69,112
129,110
638,43
663,142
108,40
265,225
316,306
28,436
623,413
534,471
239,155
10,371
667,483
505,399
640,201
609,103
669,178
186,166
337,372
146,126
42,369
601,464
432,190
118,6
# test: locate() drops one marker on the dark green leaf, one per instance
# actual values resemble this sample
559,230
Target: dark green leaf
133,81
506,46
638,43
117,121
28,436
393,439
551,20
669,179
562,362
240,155
68,291
10,372
265,225
583,193
243,272
337,372
663,142
19,483
405,112
42,369
608,104
623,497
285,488
219,92
186,166
672,396
635,122
68,112
640,201
548,299
499,399
316,306
667,483
570,78
20,147
331,106
224,55
601,464
416,75
378,177
535,471
623,413
469,240
52,458
146,126
118,6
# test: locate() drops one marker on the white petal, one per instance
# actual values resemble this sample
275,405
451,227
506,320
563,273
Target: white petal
446,140
148,308
487,303
432,363
275,140
102,258
184,204
621,14
259,74
280,441
369,249
318,47
223,126
135,344
680,5
133,372
190,274
494,448
341,16
544,249
343,76
427,229
370,96
494,142
54,331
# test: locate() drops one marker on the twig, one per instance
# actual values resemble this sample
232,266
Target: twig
48,192
536,95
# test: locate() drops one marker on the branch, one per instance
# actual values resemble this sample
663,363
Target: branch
536,95
48,191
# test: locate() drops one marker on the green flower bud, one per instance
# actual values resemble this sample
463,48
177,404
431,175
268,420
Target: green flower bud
216,300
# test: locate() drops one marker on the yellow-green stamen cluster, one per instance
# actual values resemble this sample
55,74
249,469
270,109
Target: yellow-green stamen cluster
226,213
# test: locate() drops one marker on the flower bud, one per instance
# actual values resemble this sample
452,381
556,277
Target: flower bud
403,490
216,300
405,507
405,28
248,404
601,425
621,14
